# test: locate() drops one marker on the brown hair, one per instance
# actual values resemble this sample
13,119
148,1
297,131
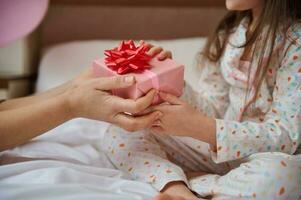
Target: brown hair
275,14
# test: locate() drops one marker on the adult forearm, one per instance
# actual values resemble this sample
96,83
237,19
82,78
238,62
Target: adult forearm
19,125
33,99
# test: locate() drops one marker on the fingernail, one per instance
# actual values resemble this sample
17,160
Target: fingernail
129,79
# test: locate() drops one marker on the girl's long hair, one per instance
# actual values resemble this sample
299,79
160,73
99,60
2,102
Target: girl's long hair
275,15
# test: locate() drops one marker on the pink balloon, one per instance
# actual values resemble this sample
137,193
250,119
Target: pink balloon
18,18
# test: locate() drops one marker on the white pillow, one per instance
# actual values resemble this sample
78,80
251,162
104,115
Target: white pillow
62,62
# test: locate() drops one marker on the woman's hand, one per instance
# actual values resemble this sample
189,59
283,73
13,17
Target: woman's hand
181,119
85,96
90,98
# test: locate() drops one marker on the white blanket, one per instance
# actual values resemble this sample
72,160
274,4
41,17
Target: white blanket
66,163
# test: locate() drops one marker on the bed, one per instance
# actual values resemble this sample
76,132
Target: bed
68,162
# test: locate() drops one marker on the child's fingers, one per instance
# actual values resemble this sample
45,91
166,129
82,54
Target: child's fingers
132,124
163,197
142,42
154,51
144,112
157,129
168,197
170,98
164,54
163,107
148,45
157,123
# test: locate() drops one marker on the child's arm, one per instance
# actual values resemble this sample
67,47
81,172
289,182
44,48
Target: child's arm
212,96
280,130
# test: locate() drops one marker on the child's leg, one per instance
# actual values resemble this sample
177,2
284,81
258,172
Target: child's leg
193,155
261,176
140,155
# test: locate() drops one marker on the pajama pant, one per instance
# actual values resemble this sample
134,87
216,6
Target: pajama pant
159,159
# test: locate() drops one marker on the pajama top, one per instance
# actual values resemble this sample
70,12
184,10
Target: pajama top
273,122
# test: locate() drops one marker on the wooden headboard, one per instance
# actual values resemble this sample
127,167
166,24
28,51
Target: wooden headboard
69,20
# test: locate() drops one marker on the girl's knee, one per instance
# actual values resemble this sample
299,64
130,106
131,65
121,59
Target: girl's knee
279,177
113,136
119,141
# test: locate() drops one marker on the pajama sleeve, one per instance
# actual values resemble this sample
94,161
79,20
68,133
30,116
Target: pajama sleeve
281,127
212,96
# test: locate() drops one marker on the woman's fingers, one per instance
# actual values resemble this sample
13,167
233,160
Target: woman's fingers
114,82
132,124
136,106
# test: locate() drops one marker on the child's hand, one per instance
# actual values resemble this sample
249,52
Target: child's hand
179,118
156,50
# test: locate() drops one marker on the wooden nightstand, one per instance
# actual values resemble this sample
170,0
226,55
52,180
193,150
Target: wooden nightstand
12,86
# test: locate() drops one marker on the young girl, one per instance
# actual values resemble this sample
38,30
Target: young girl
238,135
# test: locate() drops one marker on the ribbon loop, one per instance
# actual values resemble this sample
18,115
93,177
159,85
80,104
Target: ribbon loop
128,57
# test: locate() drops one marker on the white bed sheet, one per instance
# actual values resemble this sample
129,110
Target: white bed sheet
68,162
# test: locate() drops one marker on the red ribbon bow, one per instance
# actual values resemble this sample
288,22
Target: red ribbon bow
128,57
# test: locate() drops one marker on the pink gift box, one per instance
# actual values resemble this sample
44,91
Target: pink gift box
166,76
